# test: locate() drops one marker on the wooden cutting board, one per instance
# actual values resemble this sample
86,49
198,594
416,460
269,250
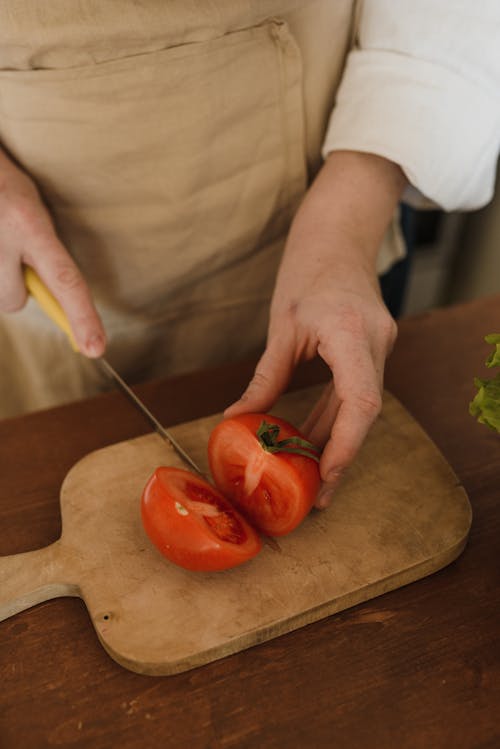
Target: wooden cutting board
399,515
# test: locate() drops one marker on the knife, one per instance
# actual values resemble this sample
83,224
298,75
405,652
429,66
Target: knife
53,309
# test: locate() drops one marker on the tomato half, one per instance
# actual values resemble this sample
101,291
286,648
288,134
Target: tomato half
275,490
193,525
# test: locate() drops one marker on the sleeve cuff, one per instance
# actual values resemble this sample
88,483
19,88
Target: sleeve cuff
442,129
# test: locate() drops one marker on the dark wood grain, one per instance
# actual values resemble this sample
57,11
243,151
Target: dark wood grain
417,668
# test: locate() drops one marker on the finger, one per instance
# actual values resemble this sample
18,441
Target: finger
359,394
354,419
318,424
317,410
326,412
349,431
13,292
271,378
62,277
353,422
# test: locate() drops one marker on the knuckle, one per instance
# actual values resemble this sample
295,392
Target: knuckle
67,276
338,471
259,381
370,403
358,322
389,330
335,472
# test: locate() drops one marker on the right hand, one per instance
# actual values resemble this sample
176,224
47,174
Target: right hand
27,236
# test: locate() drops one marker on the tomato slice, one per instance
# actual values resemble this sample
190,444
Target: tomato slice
193,525
273,490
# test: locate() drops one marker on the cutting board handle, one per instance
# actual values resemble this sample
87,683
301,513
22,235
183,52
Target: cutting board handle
32,577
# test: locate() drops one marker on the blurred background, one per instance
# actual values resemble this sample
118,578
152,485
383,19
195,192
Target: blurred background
454,257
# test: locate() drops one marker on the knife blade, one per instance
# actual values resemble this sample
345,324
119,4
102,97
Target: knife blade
55,312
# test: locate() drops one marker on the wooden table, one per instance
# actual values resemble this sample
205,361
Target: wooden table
418,667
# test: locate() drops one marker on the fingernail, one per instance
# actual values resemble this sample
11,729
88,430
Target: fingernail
95,345
325,495
329,487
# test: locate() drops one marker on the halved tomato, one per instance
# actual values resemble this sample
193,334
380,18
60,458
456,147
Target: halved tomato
193,525
266,468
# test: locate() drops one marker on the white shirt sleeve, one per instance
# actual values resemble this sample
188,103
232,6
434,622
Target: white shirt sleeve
422,88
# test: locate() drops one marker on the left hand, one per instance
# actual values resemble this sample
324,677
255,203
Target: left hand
327,302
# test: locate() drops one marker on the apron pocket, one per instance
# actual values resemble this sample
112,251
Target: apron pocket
163,168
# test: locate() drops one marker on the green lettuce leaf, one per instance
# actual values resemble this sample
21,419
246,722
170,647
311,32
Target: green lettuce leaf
486,404
494,358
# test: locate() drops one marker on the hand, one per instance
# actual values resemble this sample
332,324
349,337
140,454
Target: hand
327,302
27,236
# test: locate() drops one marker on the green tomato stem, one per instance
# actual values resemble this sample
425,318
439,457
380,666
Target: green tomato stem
267,434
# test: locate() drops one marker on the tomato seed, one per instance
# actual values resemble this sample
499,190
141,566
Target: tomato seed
227,527
201,494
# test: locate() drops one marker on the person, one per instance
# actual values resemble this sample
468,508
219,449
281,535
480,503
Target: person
155,160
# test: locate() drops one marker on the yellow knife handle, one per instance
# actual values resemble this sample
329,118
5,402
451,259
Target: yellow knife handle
48,303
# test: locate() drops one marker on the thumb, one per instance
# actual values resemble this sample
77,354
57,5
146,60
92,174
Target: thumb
270,380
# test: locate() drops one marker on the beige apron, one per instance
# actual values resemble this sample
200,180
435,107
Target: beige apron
172,141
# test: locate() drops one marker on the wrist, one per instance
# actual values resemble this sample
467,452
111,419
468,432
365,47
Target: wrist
349,206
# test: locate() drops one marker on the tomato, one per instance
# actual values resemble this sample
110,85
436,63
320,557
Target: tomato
193,525
267,470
